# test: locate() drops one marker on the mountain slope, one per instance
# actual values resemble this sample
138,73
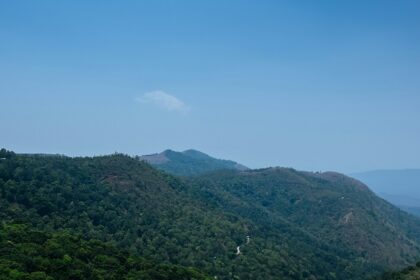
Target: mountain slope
284,224
328,206
129,203
32,254
189,162
118,199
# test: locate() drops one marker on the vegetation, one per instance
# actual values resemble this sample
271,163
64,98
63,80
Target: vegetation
301,225
330,207
189,163
35,255
409,273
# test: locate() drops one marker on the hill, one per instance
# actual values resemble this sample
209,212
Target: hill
328,207
254,224
124,201
400,187
189,162
120,200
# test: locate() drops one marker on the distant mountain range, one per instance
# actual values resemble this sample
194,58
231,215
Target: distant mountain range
400,187
189,163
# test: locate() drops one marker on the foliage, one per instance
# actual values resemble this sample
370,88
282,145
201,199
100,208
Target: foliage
329,207
190,163
31,254
296,221
409,273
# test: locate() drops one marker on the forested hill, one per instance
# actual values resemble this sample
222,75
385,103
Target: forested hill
329,207
189,162
259,224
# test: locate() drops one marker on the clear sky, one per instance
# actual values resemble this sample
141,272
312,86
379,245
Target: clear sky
314,85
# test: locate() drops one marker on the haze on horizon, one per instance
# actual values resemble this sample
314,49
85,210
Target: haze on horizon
314,85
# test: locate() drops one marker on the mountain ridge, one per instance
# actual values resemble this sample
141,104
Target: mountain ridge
301,225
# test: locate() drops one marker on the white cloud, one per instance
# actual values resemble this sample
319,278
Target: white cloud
163,100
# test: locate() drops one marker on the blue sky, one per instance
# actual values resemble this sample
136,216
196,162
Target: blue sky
315,85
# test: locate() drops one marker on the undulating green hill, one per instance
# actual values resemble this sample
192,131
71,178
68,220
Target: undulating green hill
127,202
258,224
189,162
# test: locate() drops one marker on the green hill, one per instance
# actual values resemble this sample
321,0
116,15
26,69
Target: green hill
189,162
328,207
257,224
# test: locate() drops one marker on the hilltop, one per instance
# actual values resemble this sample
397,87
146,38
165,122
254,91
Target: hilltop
189,162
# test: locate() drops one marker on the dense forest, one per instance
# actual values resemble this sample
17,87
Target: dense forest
258,224
36,255
330,207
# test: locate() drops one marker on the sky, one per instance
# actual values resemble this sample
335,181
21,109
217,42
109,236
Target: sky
313,85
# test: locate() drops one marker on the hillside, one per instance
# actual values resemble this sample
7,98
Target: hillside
259,224
31,254
189,162
400,187
409,273
329,207
120,200
136,207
